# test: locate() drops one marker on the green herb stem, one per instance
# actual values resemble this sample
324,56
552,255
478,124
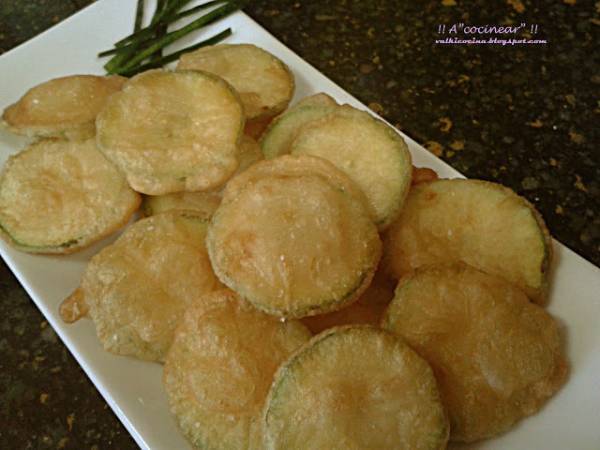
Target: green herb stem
150,29
175,55
169,38
139,16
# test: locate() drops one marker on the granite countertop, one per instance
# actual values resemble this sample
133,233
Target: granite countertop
524,116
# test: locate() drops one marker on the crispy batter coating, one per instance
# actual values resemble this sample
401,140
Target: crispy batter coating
355,387
497,357
280,134
480,223
264,82
220,367
370,152
204,202
138,288
59,196
63,107
289,165
293,244
423,175
172,131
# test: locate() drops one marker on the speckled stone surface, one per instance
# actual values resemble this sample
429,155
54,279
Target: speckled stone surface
525,116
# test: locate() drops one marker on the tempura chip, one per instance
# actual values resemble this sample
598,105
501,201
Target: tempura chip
264,82
370,152
293,245
137,289
63,107
172,131
353,388
204,202
60,196
280,134
295,166
480,223
220,367
497,357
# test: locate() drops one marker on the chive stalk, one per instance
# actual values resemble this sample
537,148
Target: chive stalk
150,29
169,38
175,55
139,16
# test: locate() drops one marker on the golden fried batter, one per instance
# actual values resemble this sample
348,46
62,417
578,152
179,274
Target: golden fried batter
353,388
264,82
295,166
138,288
497,357
60,196
204,202
220,367
370,152
63,107
483,224
293,245
172,131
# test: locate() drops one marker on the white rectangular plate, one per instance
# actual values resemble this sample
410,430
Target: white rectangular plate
133,388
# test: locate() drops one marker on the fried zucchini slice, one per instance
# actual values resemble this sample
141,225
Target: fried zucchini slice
264,82
172,131
293,245
281,132
59,196
319,99
288,165
368,309
368,151
63,107
278,138
205,202
497,356
220,367
355,387
137,289
483,224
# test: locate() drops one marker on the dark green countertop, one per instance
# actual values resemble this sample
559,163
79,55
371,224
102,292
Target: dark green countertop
524,116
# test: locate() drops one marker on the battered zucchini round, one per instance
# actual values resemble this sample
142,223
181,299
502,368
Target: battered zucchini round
219,369
60,196
63,107
281,132
205,202
278,138
368,151
137,289
497,357
355,387
295,166
264,82
172,131
483,224
293,245
319,99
